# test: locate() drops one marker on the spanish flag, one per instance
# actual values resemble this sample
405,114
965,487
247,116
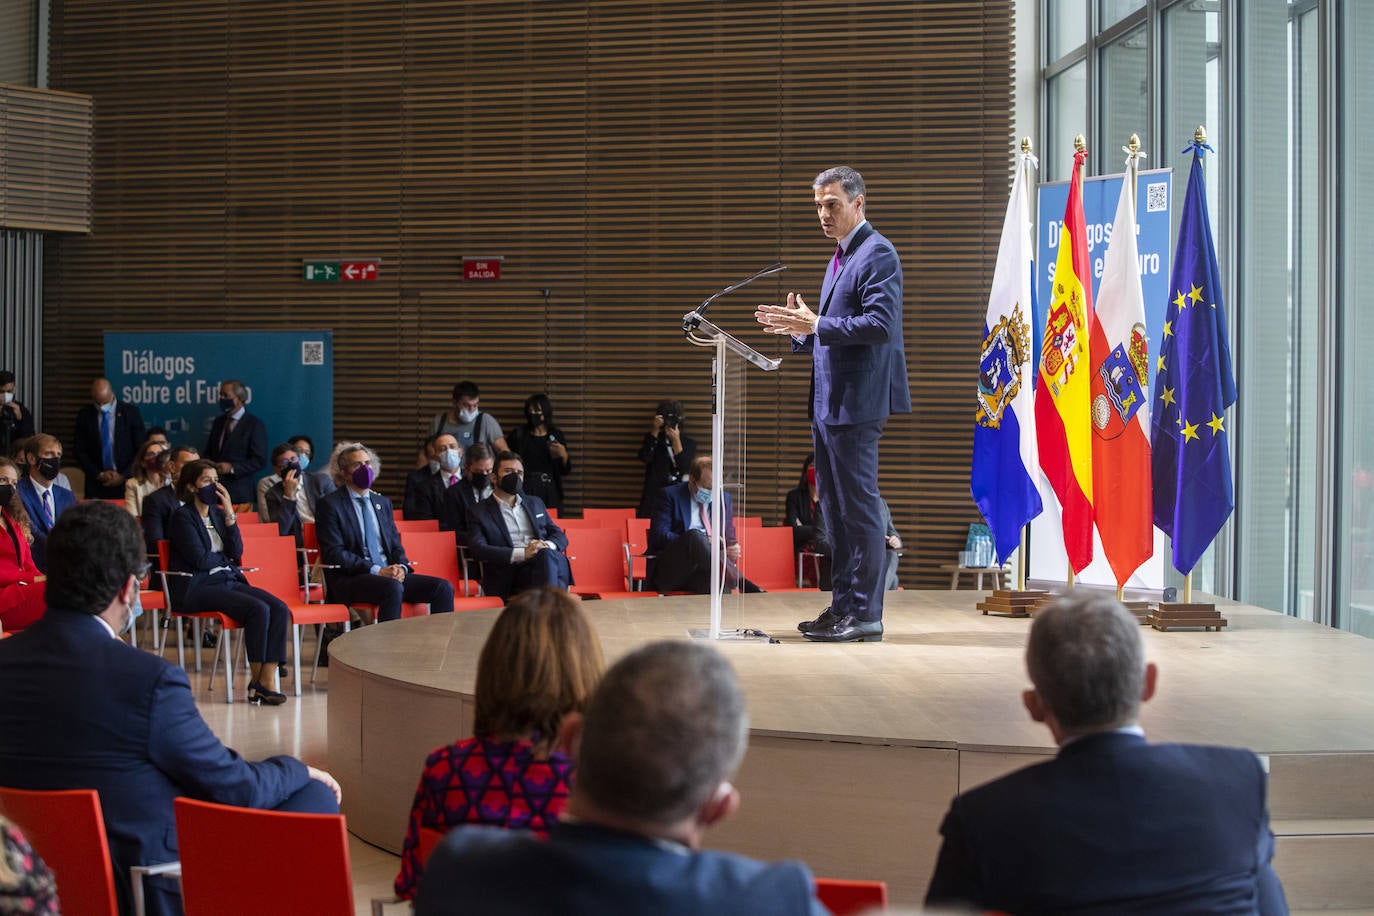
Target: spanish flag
1062,408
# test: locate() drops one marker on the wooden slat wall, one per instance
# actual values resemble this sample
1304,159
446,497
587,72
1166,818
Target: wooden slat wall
45,160
629,156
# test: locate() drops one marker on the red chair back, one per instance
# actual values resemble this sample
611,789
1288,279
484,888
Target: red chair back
433,553
567,524
768,559
597,558
67,830
416,524
609,518
270,564
300,862
259,530
843,897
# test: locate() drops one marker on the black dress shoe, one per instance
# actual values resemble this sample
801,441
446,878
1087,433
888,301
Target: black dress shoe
849,629
824,621
262,696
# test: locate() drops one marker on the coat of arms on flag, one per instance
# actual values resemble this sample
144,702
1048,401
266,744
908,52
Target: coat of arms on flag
1005,350
1119,386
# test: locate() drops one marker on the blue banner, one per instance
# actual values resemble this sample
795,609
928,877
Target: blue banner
1153,196
174,377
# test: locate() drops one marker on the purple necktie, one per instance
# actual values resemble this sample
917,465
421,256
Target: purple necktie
835,261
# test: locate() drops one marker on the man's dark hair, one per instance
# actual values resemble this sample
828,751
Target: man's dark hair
6,376
849,180
179,452
93,549
152,431
507,456
465,389
280,450
306,439
478,451
666,726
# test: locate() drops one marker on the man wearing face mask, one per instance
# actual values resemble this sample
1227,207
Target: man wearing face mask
512,536
85,710
43,499
425,486
679,536
293,497
467,422
108,433
237,443
358,537
159,505
16,422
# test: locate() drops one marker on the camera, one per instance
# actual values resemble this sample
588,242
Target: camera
670,419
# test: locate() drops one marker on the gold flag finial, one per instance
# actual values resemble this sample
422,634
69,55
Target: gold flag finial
1079,144
1133,144
1025,144
1200,135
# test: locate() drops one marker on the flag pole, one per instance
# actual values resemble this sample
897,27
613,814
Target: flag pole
1021,553
1199,136
1132,150
1080,143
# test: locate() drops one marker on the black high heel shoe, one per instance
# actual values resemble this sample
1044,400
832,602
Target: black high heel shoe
262,696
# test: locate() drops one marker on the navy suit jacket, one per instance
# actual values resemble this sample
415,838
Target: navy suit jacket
459,502
424,496
246,450
62,499
858,371
128,436
673,514
491,544
192,552
584,870
158,507
341,538
84,711
1115,825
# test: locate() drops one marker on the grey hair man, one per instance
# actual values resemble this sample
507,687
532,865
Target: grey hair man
657,748
1071,834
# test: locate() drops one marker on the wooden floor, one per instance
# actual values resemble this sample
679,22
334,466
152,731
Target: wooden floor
946,680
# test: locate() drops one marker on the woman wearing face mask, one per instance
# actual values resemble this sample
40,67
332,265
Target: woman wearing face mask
543,448
21,584
145,476
205,542
803,516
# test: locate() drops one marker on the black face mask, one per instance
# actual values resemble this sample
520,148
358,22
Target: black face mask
289,467
49,468
6,493
510,483
479,480
226,405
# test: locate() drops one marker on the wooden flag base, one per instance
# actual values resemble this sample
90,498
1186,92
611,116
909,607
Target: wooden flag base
1141,610
1177,616
1010,603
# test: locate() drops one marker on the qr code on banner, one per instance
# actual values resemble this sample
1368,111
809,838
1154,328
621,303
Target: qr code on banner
312,352
1156,197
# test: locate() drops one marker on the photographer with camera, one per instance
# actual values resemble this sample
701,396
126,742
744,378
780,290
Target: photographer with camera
16,423
544,450
667,453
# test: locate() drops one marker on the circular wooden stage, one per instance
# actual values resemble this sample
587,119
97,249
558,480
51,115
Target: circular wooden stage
856,750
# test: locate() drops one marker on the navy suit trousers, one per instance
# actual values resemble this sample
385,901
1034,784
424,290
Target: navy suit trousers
387,593
847,487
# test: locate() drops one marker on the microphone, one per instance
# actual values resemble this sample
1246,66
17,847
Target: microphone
766,272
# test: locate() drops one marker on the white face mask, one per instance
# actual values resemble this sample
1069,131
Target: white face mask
9,396
449,459
467,416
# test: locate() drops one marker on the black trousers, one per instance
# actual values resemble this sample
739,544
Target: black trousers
262,615
388,594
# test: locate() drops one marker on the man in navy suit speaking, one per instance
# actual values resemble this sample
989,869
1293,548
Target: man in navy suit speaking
1112,824
858,379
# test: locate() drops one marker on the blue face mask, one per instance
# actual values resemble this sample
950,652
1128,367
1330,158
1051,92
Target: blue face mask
304,460
134,613
703,496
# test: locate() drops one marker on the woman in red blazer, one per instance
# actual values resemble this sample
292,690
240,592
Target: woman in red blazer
21,584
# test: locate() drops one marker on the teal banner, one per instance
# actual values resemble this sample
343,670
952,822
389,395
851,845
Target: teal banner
174,378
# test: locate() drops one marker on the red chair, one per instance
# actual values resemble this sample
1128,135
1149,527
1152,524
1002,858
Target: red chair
67,831
435,553
609,518
224,645
637,550
259,530
597,558
843,897
768,560
568,524
274,570
749,521
553,513
300,862
416,524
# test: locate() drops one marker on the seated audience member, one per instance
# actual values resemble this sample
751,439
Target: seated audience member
544,450
159,505
205,542
358,536
475,486
663,735
667,453
237,443
145,475
16,421
425,486
305,451
84,710
27,884
21,582
539,664
514,539
108,433
1112,824
293,497
467,423
43,499
803,516
679,540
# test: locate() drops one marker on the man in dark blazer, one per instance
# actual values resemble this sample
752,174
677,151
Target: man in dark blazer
44,500
159,505
514,539
476,485
678,539
84,710
357,533
858,379
662,737
295,496
237,443
1113,824
425,486
108,433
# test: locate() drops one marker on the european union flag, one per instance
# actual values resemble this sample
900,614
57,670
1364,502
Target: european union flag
1194,385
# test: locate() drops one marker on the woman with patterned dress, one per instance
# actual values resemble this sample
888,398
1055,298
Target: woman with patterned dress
541,662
